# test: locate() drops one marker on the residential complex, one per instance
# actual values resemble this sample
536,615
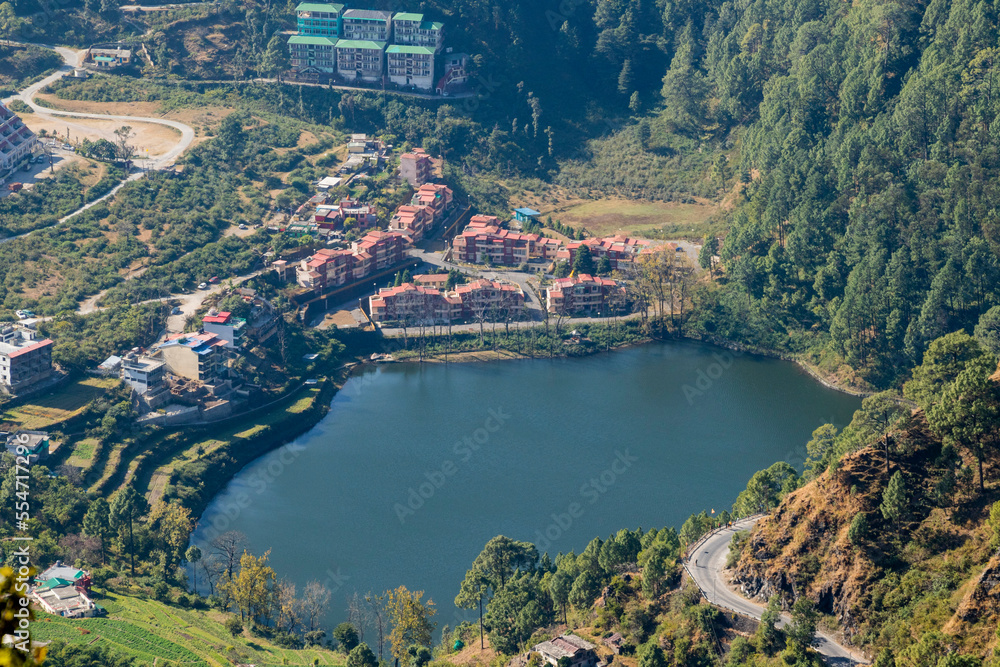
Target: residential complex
427,208
24,359
368,45
16,141
329,267
482,300
484,240
620,250
333,216
146,376
584,294
65,592
201,357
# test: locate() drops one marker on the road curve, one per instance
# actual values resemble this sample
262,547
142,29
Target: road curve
71,60
706,563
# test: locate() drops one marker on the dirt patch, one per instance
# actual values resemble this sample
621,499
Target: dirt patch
150,139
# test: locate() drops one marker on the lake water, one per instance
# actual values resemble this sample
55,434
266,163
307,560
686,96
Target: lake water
417,466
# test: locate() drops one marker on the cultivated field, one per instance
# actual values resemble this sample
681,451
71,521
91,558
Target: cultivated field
168,635
67,402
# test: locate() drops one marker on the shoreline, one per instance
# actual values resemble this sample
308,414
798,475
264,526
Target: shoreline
475,356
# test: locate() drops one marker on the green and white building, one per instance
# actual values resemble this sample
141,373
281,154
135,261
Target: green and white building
411,66
360,60
319,19
412,30
309,52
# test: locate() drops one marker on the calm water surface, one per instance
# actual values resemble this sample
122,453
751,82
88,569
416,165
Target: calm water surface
416,467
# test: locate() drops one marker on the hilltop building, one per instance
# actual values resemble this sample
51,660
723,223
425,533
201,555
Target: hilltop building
313,51
412,30
415,167
360,60
411,66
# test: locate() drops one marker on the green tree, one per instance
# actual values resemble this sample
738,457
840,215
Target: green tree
127,506
275,59
651,655
968,413
895,499
819,448
878,414
583,261
347,635
857,532
502,557
361,656
988,331
411,620
231,139
945,358
234,626
97,523
768,635
193,556
475,587
585,590
802,630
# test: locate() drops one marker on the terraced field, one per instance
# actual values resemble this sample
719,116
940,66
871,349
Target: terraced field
168,635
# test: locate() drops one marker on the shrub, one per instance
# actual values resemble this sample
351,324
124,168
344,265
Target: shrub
234,626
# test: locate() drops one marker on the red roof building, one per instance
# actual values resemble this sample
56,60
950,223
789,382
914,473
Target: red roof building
584,294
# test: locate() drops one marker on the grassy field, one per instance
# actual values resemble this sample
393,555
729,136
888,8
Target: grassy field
607,217
83,453
64,403
150,631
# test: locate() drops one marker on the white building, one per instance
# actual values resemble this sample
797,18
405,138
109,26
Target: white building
16,141
411,65
360,60
367,25
24,360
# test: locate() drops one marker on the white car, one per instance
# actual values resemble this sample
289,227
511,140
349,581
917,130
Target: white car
203,286
176,310
243,226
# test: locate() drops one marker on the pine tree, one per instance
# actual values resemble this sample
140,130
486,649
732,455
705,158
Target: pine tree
895,499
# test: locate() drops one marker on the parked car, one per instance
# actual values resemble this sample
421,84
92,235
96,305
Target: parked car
20,314
243,226
203,286
214,280
175,310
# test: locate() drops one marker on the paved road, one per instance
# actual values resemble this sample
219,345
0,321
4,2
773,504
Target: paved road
706,565
71,60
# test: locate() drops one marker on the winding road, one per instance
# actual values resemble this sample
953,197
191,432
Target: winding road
71,60
706,564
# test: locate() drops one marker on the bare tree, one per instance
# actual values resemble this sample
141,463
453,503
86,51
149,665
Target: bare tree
123,148
358,614
379,614
286,605
314,605
229,546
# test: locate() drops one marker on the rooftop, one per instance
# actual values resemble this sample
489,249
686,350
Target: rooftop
319,7
369,14
408,16
360,44
418,50
309,39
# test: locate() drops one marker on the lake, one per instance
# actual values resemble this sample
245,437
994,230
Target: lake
417,466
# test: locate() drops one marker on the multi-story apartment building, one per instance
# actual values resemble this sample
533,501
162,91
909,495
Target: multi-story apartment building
313,51
330,268
226,326
195,356
483,240
332,216
146,376
413,221
584,294
24,359
16,141
410,65
319,19
434,196
367,25
362,60
412,30
415,167
482,300
620,250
